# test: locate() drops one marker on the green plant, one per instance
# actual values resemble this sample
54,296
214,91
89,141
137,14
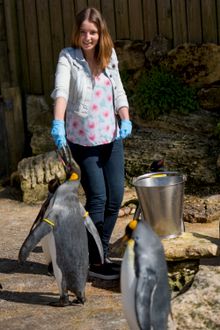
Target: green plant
159,91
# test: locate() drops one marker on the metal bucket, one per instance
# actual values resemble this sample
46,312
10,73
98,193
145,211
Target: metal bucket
161,200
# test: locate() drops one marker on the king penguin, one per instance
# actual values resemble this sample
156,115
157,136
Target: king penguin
144,279
64,226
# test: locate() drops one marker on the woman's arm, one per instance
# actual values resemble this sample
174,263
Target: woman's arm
123,113
58,131
60,108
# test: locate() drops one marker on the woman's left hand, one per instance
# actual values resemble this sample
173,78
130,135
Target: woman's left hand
125,129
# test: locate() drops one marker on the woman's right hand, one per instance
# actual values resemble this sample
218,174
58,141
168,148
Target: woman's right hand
58,133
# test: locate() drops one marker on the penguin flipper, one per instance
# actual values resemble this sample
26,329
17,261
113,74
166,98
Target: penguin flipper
41,213
145,287
94,232
34,237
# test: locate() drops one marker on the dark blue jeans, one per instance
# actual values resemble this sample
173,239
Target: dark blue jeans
102,178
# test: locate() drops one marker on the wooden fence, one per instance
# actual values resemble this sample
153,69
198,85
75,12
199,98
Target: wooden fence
32,32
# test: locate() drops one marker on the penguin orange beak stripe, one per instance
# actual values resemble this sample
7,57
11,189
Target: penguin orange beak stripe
133,224
74,177
129,229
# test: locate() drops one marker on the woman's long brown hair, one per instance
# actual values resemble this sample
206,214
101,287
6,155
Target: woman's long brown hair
104,47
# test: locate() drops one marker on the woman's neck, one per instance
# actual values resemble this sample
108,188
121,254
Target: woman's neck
89,55
92,62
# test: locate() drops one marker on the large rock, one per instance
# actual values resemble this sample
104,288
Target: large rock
158,49
201,209
191,246
35,174
199,307
130,55
188,246
197,64
39,117
209,98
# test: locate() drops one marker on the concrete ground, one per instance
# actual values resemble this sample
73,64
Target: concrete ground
27,290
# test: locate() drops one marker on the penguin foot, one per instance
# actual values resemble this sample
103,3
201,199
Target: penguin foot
62,302
58,304
78,301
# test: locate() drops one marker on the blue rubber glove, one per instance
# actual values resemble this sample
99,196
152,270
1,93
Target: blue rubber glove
126,128
58,133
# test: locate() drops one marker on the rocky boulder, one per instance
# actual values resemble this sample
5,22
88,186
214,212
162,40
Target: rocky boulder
39,117
198,308
130,55
209,98
199,65
201,209
158,49
36,172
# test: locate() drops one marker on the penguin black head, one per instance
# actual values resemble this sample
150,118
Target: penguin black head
70,165
157,165
53,185
129,229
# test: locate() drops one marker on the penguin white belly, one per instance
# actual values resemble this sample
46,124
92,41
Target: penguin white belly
128,286
53,254
45,247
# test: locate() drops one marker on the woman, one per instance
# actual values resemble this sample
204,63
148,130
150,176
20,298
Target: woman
89,102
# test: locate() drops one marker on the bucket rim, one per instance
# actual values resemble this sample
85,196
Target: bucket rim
151,174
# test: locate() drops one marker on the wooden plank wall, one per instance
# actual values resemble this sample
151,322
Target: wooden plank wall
13,128
4,63
36,31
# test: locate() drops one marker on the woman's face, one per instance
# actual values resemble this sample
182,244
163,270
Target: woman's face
89,36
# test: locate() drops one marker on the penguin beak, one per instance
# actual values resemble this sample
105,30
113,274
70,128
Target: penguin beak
69,163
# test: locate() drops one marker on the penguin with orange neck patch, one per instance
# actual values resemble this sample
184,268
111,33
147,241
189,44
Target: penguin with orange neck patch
64,226
144,279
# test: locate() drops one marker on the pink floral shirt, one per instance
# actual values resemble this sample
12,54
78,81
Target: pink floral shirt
100,127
